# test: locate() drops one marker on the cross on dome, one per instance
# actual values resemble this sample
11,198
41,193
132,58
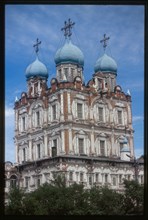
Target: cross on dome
104,41
67,28
36,46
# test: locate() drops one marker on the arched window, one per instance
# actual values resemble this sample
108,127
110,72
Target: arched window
13,181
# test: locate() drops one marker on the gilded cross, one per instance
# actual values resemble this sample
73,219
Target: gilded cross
67,28
36,46
104,41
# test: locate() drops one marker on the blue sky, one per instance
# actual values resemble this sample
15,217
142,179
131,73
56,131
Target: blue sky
123,24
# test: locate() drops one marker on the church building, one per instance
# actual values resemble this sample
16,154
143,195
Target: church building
81,131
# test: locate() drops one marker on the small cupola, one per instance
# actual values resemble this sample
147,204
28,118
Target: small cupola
125,151
69,59
105,70
105,63
37,68
36,75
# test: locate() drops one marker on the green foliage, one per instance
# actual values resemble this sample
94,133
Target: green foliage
105,201
133,197
58,199
15,206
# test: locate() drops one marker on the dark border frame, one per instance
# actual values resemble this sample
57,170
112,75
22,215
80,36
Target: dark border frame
2,86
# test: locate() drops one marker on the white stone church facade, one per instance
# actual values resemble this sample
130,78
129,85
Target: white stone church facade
83,132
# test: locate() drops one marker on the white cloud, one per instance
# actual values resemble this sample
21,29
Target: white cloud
137,118
9,112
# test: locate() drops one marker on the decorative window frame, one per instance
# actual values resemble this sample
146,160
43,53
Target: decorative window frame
53,101
120,107
81,135
52,137
114,177
27,182
38,177
22,114
37,106
95,108
76,101
71,176
102,137
13,181
36,141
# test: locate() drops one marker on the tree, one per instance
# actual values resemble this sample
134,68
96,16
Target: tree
133,197
59,199
105,201
15,204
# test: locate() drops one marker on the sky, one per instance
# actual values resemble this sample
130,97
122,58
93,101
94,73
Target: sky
124,24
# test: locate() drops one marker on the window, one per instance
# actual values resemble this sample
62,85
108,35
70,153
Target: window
23,122
71,176
13,179
81,145
54,148
100,111
128,177
97,177
81,177
106,178
54,110
38,151
120,178
79,110
119,116
60,74
72,71
38,118
114,181
38,182
90,180
102,148
66,72
27,182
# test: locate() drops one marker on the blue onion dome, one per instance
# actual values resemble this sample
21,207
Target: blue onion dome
36,69
125,146
106,64
125,141
69,53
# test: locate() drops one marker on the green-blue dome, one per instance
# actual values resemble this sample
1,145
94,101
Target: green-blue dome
105,64
125,147
35,69
69,53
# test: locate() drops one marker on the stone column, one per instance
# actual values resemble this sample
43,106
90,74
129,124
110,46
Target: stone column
112,143
92,141
63,141
30,148
45,144
69,106
70,140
